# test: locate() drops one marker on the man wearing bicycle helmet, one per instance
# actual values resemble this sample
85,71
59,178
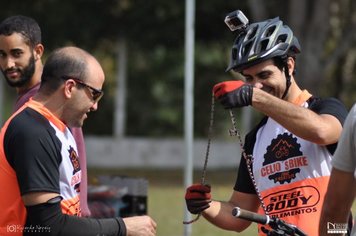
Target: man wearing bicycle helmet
287,167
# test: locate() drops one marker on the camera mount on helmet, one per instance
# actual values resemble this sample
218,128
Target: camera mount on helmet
236,21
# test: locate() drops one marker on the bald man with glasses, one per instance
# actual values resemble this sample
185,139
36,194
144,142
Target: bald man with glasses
40,173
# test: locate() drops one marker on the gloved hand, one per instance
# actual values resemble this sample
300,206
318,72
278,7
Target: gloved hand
233,93
197,198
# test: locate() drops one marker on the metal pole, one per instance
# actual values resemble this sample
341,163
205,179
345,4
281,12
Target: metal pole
189,100
120,92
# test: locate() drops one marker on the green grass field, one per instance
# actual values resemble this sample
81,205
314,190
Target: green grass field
166,199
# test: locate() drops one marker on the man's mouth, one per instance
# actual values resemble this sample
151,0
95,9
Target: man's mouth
12,73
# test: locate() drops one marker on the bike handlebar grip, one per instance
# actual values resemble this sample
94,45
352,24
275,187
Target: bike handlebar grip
250,216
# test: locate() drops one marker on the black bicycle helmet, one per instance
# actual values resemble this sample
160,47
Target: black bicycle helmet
262,41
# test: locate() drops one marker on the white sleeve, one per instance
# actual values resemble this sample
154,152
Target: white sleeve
345,155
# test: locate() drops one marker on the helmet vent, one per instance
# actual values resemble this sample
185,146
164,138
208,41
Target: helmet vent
282,38
251,33
264,45
270,31
247,48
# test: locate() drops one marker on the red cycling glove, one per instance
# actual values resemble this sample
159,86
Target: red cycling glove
197,198
233,93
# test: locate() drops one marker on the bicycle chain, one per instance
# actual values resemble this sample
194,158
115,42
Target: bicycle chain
249,158
210,131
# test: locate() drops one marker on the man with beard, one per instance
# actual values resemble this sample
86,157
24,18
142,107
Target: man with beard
20,62
20,56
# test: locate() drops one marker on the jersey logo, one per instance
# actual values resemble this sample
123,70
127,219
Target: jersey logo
76,178
283,159
293,201
74,159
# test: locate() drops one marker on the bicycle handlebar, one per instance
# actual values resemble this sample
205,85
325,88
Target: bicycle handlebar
250,216
278,226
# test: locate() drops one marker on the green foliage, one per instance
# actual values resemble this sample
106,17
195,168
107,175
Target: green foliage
155,92
155,32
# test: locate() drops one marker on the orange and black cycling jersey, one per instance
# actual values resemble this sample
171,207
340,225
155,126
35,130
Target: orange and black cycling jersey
41,159
291,173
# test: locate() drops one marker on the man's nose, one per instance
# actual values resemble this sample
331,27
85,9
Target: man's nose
9,63
257,84
94,107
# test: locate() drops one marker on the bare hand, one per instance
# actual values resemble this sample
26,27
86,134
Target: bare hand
140,226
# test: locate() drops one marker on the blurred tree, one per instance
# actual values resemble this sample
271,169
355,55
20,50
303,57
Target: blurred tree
154,31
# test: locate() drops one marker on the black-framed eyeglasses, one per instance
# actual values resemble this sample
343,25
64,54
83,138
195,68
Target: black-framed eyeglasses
96,94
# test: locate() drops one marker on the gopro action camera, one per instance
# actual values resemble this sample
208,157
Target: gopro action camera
236,20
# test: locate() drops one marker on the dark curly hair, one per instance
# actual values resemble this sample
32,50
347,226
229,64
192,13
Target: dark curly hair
26,26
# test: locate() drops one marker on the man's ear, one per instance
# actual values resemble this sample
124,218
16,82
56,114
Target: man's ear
68,88
38,51
291,65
